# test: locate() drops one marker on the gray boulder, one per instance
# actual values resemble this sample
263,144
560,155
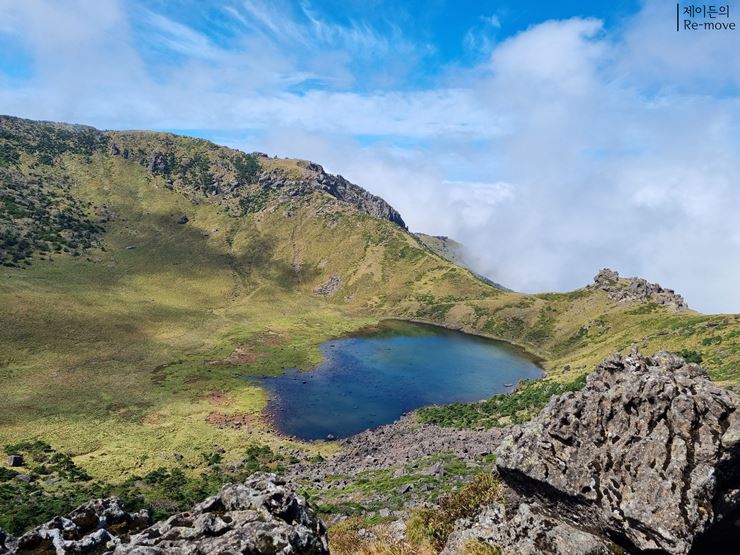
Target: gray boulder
91,528
260,516
647,454
521,529
4,542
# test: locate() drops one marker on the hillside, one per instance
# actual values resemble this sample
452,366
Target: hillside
455,252
145,274
444,246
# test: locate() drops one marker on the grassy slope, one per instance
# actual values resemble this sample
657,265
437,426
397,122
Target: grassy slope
123,356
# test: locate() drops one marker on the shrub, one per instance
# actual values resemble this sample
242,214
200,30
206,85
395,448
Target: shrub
501,409
690,356
247,168
476,547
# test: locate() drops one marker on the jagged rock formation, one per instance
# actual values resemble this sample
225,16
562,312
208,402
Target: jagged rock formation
89,528
260,516
274,183
646,455
637,290
314,178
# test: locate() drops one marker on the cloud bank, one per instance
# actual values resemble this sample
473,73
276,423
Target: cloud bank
567,147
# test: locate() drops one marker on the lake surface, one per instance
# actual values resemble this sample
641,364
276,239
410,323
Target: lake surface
374,377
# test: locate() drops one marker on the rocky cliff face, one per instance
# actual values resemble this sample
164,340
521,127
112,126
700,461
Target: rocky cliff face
260,516
314,178
637,290
645,458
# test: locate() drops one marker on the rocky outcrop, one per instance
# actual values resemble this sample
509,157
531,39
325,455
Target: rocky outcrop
91,528
158,164
343,190
647,455
329,287
315,179
637,290
4,542
260,516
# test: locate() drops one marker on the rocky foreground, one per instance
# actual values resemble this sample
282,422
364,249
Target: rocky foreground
259,516
644,459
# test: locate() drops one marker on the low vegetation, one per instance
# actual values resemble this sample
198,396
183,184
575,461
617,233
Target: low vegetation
354,536
499,410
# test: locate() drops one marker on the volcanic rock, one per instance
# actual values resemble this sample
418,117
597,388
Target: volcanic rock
260,516
328,288
637,290
518,529
316,179
647,454
91,528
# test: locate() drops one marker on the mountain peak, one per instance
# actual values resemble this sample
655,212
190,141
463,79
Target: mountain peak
637,289
311,177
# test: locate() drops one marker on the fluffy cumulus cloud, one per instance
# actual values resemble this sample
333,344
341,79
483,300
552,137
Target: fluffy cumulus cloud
567,147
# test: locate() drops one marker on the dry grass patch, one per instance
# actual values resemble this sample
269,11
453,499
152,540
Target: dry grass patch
354,536
434,525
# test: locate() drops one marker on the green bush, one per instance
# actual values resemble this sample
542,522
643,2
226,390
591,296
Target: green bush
247,168
501,409
690,356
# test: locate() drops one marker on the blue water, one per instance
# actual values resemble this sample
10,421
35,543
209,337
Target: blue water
372,379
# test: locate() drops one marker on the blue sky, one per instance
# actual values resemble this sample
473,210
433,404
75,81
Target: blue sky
552,138
420,37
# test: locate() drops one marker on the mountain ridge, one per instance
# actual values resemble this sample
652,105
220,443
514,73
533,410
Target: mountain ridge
196,168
